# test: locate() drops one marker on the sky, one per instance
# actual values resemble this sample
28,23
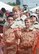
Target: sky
30,3
7,0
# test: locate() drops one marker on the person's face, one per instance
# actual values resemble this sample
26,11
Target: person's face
10,20
16,14
33,18
28,23
27,14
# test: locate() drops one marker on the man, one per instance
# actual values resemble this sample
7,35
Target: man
9,37
27,13
34,19
9,22
18,21
28,39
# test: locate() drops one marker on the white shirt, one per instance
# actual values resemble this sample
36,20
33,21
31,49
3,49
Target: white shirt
35,26
18,23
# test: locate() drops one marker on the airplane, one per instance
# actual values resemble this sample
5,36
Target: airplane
6,6
34,9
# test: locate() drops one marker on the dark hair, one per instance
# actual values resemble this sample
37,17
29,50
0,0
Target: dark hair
9,16
26,19
3,10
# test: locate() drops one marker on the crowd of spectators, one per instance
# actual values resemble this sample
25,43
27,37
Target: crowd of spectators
20,32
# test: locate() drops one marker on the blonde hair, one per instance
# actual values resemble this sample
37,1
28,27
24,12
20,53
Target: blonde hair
16,8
